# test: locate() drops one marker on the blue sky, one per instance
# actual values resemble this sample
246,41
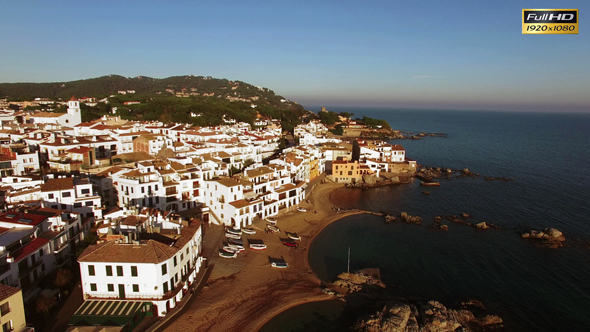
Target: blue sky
427,54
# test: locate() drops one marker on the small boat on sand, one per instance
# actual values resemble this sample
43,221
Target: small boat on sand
271,220
273,228
300,209
290,243
233,236
234,231
226,254
293,236
248,230
232,249
257,246
280,265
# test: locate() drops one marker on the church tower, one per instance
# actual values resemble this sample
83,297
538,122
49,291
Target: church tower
74,111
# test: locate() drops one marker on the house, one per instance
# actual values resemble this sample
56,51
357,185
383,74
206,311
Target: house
153,261
72,118
346,171
12,309
72,194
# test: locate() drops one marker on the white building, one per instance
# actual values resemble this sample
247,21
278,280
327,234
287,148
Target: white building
152,261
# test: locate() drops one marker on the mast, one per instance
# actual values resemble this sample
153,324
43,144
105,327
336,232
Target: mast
348,260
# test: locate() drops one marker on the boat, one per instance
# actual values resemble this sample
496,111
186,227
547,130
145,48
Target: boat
271,220
249,230
257,246
234,231
290,243
293,236
235,241
233,236
280,265
273,228
239,247
300,209
226,254
232,249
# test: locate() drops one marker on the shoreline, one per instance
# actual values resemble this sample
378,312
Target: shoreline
246,287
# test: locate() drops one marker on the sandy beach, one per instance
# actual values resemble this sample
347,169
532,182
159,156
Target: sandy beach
244,293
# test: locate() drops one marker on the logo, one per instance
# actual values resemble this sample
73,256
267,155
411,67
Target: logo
549,21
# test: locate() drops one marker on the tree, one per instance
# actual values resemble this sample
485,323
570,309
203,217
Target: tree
62,278
356,151
44,305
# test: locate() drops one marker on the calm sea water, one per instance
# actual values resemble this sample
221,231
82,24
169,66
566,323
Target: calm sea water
532,288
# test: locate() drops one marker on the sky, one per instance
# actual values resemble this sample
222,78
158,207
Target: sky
394,54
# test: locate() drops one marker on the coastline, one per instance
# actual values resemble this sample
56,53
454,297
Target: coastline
247,287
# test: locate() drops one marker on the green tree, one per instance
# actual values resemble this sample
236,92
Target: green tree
44,305
62,278
356,151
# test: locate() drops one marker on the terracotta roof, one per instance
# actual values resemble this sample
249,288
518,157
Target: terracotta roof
58,184
22,218
227,182
30,248
239,203
73,99
149,251
7,291
47,115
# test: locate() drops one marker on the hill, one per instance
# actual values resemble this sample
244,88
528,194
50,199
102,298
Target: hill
169,99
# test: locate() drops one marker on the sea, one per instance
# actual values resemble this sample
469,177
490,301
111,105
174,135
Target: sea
532,288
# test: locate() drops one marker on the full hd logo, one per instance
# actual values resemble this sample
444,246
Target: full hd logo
549,21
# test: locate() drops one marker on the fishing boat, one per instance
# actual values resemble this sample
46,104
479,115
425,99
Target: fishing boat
300,209
273,228
234,231
293,236
257,246
239,247
248,230
226,254
280,265
271,220
232,249
233,236
235,241
290,243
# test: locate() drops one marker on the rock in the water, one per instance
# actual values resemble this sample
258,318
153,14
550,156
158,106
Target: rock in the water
482,225
369,179
552,232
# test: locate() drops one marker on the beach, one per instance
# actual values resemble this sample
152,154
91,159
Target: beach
242,294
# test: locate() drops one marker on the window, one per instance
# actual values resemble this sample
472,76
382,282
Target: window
50,196
41,253
164,270
93,287
5,308
119,271
181,256
7,326
91,270
135,288
89,203
66,194
175,262
165,287
110,287
187,248
134,271
77,205
349,172
109,270
176,278
142,190
85,191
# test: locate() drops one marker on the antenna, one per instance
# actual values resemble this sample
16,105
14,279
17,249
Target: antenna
348,260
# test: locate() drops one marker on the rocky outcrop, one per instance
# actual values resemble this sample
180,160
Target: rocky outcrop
432,316
549,237
357,281
411,219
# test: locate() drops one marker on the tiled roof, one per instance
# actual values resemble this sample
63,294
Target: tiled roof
58,184
239,203
30,248
7,291
150,251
